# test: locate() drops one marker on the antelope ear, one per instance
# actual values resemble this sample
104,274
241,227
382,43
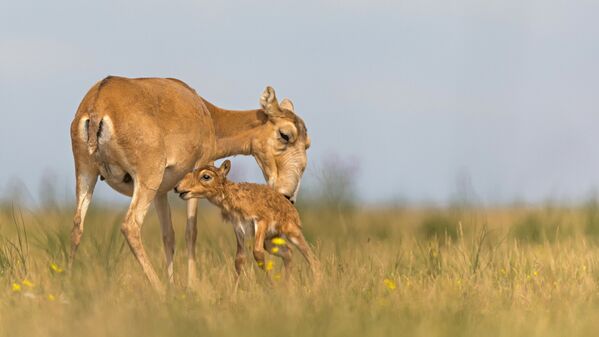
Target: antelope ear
269,103
287,104
225,167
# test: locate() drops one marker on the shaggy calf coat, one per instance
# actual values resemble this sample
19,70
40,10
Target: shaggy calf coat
253,209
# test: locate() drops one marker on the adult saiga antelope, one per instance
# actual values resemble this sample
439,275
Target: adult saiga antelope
143,135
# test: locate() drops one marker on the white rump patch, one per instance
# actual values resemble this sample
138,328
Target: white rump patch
83,130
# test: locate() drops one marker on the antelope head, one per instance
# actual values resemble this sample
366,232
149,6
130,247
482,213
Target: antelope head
280,146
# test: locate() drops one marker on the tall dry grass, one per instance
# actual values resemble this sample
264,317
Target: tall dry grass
518,271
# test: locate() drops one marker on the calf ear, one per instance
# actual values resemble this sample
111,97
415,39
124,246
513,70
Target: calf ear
269,102
225,167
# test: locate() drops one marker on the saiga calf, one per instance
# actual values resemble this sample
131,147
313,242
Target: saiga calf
252,209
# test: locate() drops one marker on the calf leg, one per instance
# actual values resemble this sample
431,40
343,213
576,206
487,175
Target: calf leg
259,252
282,250
240,255
297,238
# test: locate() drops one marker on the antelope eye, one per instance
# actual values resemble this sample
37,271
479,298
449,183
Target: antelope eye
284,137
206,177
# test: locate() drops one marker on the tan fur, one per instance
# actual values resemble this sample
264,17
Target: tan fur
250,206
143,135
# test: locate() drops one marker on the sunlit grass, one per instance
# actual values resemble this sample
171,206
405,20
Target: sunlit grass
386,272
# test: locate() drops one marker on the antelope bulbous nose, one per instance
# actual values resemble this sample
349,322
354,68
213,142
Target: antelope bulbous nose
176,190
289,198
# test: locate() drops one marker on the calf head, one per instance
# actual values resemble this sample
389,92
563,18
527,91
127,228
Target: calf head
205,182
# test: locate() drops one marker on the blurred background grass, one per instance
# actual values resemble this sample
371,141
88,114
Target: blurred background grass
459,270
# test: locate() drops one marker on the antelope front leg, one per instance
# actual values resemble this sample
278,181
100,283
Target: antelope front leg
131,228
191,234
168,233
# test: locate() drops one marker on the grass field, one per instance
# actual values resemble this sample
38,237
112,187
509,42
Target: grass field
517,271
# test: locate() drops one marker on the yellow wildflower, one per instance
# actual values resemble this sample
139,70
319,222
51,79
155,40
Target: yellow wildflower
390,284
56,268
16,287
51,298
278,241
260,263
535,273
27,283
275,249
269,265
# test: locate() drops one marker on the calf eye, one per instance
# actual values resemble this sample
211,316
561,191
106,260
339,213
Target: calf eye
284,136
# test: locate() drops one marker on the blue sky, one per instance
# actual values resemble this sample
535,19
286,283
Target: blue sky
416,94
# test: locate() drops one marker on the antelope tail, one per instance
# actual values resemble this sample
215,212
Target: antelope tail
95,125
